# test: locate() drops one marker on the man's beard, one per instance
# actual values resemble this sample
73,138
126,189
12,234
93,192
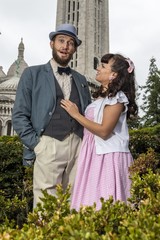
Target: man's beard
62,62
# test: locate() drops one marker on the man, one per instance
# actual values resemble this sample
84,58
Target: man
50,136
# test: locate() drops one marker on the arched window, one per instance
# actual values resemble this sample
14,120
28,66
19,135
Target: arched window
9,127
0,128
96,63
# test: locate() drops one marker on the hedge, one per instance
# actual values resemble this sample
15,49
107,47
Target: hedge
140,219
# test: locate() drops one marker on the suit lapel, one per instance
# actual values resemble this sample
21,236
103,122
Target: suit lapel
51,79
80,87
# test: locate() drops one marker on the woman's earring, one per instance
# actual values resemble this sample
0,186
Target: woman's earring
111,78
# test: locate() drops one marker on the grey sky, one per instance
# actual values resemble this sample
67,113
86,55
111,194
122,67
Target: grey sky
134,31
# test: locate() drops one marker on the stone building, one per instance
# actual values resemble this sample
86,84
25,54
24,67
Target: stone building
8,87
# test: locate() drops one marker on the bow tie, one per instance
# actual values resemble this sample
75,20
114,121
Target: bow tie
66,70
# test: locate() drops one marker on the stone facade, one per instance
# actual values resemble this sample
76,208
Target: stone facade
8,87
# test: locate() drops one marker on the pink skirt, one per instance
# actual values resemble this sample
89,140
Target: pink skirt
99,176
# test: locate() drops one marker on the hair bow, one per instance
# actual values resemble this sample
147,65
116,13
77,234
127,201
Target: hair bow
131,65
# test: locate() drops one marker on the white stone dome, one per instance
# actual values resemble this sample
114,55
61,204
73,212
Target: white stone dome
2,74
17,68
10,84
19,65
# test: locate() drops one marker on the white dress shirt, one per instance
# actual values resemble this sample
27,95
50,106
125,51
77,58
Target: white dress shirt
64,80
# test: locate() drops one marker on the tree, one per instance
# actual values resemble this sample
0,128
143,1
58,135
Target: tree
151,96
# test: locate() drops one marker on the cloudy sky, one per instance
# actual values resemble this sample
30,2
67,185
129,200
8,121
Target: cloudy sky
134,31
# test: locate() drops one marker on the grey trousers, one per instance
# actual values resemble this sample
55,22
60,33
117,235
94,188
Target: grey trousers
55,163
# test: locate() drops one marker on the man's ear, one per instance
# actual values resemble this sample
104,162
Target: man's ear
51,44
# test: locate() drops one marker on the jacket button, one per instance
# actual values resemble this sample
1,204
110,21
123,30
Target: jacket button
50,113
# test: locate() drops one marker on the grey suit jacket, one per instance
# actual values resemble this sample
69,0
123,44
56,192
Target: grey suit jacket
35,103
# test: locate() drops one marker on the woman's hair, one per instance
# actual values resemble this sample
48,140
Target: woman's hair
124,81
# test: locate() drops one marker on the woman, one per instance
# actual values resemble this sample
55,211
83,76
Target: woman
105,157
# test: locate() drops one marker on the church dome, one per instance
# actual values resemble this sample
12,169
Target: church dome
4,98
11,84
17,68
19,65
2,74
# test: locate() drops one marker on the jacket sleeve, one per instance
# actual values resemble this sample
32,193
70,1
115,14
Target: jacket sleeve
87,94
83,89
22,111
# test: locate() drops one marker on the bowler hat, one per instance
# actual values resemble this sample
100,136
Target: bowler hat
66,29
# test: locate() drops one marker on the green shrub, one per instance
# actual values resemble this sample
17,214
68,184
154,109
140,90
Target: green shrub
146,162
11,167
144,187
140,219
143,139
114,221
12,212
15,183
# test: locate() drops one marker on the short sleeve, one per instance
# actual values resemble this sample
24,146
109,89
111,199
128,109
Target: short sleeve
119,98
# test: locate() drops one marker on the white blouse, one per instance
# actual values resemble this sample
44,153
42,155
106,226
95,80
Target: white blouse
118,140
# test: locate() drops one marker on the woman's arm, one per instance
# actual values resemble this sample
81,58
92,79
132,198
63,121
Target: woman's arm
111,115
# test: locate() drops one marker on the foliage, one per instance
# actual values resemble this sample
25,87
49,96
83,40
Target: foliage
11,168
115,220
12,211
134,122
143,139
146,162
53,219
145,187
15,183
151,96
145,175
